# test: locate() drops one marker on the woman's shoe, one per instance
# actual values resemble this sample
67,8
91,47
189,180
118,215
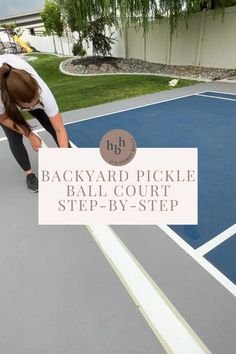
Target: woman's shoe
32,182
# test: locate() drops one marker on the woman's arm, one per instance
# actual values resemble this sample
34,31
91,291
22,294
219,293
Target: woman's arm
34,139
58,126
7,122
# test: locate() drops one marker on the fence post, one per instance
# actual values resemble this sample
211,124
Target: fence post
68,42
55,49
62,46
169,48
144,45
200,38
124,37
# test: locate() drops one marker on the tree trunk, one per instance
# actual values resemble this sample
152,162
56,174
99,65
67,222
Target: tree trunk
62,47
67,35
213,4
55,50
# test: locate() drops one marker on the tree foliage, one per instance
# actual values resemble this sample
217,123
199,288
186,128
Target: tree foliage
78,13
9,26
89,17
95,32
78,49
52,18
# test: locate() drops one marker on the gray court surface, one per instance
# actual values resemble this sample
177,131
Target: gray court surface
59,294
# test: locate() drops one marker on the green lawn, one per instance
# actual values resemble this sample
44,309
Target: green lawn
76,92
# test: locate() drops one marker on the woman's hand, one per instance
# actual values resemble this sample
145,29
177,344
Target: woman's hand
60,130
35,141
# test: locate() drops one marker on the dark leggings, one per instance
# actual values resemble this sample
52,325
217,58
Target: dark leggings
16,139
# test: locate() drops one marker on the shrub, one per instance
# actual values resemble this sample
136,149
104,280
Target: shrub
78,49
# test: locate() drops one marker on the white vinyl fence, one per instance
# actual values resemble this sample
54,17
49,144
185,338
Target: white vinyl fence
64,45
208,41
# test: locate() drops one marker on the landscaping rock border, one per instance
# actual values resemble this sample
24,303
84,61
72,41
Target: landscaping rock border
112,65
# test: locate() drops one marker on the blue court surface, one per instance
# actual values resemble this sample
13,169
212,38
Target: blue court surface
223,257
206,120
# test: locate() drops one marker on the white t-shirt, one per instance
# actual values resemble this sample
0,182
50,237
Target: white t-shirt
46,96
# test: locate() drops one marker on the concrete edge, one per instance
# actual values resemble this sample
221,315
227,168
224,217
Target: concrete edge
153,74
105,74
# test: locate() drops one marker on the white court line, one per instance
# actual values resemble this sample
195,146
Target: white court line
145,105
198,256
172,330
115,112
123,110
211,269
218,98
127,109
174,333
220,277
133,108
73,145
217,240
224,93
43,145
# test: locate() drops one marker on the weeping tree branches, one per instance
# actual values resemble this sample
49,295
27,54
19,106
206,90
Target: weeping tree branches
78,13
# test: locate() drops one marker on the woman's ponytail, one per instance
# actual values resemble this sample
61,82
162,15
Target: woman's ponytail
11,109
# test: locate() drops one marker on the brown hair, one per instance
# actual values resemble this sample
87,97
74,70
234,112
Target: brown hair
17,86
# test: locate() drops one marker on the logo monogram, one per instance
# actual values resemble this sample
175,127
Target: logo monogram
118,147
